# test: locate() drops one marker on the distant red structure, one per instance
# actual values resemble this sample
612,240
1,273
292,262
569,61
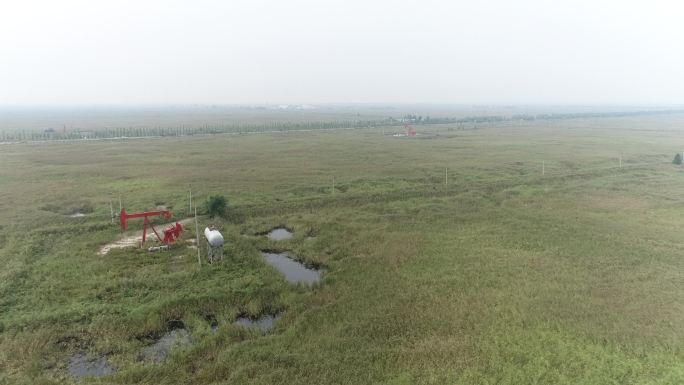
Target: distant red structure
171,234
410,131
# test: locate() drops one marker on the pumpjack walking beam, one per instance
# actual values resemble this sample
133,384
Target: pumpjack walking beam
170,234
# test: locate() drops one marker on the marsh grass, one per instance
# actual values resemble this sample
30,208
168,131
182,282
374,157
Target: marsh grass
504,276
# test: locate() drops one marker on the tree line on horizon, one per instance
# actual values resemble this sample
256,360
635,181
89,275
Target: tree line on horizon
237,128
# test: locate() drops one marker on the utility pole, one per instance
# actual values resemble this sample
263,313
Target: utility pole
543,168
199,259
333,185
120,203
111,211
190,209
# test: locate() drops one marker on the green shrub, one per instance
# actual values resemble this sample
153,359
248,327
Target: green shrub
677,159
216,206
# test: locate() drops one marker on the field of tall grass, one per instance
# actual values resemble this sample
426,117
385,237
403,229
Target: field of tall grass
545,252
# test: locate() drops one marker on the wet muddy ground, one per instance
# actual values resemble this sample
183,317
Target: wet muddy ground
160,350
264,324
82,366
294,271
279,234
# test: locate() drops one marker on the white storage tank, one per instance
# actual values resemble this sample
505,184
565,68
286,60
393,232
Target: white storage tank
214,237
215,241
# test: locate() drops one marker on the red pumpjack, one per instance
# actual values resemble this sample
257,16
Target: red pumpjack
171,234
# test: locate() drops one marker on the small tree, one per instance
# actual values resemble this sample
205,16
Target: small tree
677,159
216,205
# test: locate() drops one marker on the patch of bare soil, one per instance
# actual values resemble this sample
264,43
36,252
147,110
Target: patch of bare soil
127,240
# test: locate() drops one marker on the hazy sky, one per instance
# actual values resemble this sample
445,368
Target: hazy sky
525,51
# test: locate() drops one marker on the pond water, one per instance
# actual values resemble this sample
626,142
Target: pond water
77,215
279,234
170,340
293,271
265,323
82,366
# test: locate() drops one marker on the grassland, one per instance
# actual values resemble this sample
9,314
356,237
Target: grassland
502,275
